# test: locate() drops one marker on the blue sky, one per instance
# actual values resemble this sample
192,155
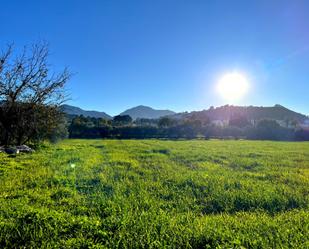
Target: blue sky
169,53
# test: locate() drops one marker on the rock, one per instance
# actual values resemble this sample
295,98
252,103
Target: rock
11,150
16,149
24,149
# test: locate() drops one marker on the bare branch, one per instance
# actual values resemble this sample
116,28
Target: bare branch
27,82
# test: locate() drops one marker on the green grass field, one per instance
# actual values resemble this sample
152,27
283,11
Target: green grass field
156,194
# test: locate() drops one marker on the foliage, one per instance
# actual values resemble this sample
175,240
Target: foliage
29,95
270,130
165,122
122,120
302,135
195,126
156,194
239,121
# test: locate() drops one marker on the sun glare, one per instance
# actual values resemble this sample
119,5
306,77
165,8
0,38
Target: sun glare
232,86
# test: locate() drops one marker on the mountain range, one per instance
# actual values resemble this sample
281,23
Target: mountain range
135,112
146,112
277,112
76,111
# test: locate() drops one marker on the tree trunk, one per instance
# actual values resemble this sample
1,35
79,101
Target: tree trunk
6,139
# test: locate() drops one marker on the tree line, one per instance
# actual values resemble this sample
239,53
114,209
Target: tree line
123,127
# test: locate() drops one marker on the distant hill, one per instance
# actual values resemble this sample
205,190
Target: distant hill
146,112
76,111
276,112
226,112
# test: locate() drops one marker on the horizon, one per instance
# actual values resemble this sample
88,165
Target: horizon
167,109
170,55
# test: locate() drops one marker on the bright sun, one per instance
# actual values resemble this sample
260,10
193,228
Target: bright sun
232,86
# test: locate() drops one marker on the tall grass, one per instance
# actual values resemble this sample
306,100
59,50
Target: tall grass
156,194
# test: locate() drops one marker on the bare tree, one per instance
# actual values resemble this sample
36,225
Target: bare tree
29,94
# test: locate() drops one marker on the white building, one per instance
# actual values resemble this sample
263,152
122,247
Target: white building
305,124
220,123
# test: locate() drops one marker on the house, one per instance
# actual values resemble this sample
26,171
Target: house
220,123
305,124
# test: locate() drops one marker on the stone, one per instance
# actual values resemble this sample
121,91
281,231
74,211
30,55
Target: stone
11,150
24,149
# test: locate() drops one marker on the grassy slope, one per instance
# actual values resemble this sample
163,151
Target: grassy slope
154,194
